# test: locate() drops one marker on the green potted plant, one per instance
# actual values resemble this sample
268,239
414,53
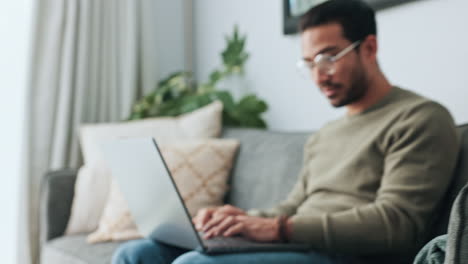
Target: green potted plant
179,93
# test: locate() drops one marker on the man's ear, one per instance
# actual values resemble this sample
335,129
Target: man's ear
369,48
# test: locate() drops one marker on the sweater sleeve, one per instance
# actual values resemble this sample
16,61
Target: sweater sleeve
420,155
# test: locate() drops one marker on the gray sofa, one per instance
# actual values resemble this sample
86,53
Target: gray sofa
272,159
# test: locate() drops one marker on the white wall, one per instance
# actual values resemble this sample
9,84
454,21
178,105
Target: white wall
169,23
15,25
423,48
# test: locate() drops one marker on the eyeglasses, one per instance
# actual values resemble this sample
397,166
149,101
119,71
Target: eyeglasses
325,63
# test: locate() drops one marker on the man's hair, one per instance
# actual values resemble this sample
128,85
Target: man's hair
356,18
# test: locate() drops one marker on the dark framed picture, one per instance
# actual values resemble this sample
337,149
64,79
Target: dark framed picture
293,9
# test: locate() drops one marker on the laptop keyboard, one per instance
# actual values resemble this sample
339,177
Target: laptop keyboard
239,244
226,242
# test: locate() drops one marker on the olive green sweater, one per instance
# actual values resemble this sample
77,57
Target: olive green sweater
371,182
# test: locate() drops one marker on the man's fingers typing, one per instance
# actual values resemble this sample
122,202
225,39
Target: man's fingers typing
236,229
202,217
214,221
221,227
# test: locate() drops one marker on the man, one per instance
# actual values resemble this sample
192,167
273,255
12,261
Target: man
371,181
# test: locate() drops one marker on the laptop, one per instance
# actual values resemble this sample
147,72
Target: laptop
156,205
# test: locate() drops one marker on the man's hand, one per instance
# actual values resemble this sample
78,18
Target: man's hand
254,228
206,215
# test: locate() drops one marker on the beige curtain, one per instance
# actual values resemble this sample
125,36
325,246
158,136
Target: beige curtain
90,61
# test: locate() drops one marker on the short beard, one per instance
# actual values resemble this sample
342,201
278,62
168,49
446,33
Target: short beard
356,91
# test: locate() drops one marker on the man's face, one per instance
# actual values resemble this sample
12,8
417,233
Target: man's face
347,83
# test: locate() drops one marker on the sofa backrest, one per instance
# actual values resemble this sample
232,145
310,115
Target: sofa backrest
268,164
460,179
266,167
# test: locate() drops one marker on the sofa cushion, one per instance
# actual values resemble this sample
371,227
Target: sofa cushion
266,168
73,249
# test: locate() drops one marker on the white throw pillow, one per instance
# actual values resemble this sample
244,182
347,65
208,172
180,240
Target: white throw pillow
200,170
205,122
93,179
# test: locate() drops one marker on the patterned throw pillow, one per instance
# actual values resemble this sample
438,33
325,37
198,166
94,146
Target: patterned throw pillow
93,180
200,170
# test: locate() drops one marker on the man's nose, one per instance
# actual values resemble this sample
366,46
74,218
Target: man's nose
320,75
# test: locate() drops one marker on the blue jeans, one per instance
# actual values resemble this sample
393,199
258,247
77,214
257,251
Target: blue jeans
146,251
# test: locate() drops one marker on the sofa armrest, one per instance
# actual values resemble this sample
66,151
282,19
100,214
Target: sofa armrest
457,241
57,192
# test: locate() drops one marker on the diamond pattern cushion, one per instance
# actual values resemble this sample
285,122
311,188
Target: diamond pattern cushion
200,170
